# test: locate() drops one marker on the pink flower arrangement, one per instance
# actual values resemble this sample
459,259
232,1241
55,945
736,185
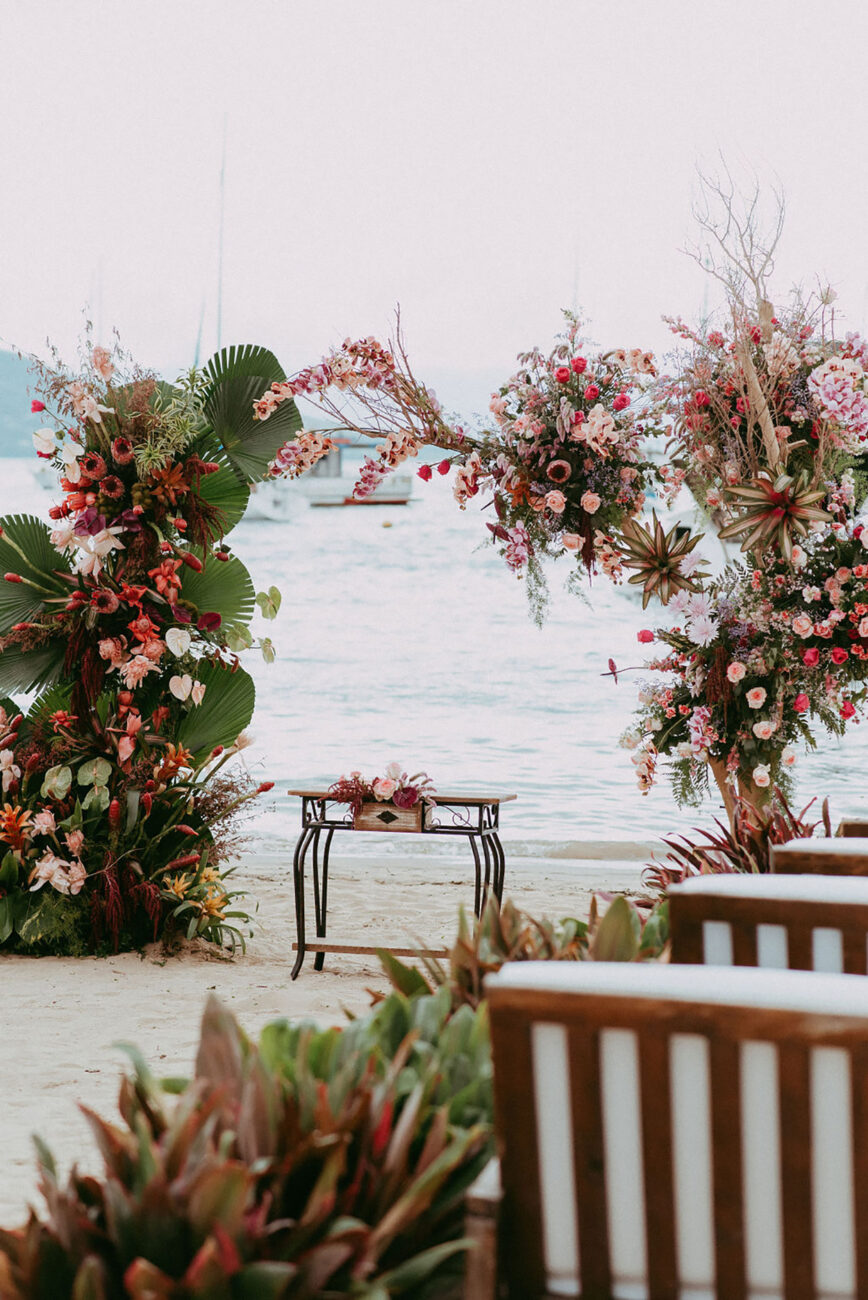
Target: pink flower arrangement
394,786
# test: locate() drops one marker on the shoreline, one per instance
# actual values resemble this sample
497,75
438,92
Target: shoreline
63,1016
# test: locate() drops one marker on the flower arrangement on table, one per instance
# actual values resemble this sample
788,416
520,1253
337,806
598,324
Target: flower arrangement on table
126,619
394,787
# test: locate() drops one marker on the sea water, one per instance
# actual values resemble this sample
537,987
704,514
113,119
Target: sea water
402,635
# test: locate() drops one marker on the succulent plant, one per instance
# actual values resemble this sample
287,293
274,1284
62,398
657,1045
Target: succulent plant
657,557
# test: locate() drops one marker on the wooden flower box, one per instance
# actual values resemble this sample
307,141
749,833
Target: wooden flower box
375,816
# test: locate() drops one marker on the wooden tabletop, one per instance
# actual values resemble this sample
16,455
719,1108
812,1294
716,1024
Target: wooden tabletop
465,797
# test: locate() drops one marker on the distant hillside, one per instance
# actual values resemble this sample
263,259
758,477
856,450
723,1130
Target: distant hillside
16,422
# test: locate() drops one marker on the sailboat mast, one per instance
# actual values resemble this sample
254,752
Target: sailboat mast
220,243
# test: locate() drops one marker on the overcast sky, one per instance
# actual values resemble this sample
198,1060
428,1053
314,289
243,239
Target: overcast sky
483,164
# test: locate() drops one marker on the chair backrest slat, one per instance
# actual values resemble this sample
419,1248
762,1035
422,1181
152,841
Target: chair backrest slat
655,1088
589,1164
794,1067
689,1135
726,1140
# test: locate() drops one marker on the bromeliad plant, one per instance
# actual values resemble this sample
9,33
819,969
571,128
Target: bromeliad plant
320,1163
126,619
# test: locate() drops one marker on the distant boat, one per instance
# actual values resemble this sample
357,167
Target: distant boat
324,485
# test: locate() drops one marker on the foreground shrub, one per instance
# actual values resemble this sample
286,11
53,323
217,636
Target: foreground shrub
322,1162
743,847
626,930
318,1163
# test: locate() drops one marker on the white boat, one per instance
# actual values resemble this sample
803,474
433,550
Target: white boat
324,485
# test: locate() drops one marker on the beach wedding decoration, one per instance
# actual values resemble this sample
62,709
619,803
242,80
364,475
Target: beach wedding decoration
395,801
125,619
762,419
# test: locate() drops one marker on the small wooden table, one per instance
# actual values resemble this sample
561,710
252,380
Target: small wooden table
475,816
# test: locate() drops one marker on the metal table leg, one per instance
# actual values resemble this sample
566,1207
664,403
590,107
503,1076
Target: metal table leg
298,881
321,899
477,891
499,866
487,855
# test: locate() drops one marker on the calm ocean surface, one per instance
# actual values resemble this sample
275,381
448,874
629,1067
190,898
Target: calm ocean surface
413,642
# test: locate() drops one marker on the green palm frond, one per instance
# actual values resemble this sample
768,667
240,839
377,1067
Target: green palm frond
239,376
224,588
31,670
26,550
225,711
223,490
656,556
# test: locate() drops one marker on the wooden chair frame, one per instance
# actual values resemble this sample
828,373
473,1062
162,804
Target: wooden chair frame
802,908
584,1012
843,855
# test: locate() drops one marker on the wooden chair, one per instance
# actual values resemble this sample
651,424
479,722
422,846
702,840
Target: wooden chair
850,827
841,856
667,1133
797,922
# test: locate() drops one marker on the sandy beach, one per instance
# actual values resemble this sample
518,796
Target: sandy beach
62,1017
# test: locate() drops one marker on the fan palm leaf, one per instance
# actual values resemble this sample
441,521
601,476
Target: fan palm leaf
31,670
223,587
223,490
239,376
225,711
26,550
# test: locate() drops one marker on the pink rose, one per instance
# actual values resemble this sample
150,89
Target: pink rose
384,788
803,625
839,655
756,697
591,503
36,406
863,627
761,776
801,703
764,730
425,473
591,392
621,400
736,671
646,636
556,501
562,374
444,467
811,657
572,541
579,365
847,709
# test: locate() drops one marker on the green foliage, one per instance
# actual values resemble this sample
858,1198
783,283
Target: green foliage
31,670
223,490
238,376
307,1167
224,588
623,931
26,550
743,847
224,712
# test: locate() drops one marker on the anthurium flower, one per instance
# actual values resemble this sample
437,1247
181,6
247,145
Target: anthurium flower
178,639
181,686
45,442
